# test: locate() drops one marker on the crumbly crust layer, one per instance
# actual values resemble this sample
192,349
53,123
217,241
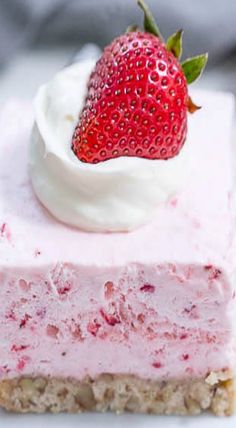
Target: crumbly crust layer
120,393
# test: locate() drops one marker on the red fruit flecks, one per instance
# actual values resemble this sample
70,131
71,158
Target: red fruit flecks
183,336
111,319
62,279
108,289
136,103
191,311
157,365
77,332
22,362
214,272
24,320
64,289
41,313
10,315
18,348
93,327
147,288
184,357
52,331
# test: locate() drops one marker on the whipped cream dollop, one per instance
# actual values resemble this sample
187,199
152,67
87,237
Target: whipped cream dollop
116,195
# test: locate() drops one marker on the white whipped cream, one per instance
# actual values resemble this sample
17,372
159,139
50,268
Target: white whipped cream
116,195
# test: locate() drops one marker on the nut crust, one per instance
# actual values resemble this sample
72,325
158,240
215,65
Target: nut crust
120,393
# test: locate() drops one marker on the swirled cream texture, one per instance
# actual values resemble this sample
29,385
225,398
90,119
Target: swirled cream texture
116,195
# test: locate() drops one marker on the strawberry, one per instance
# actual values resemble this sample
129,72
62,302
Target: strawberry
137,99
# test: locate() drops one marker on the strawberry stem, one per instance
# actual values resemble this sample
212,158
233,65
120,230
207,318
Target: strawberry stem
149,24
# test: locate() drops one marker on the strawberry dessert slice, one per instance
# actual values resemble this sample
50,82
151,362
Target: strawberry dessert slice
141,321
137,98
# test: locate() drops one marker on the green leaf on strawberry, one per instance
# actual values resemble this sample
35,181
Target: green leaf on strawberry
193,67
174,44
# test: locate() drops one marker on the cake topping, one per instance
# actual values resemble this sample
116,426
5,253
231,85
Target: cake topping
133,118
137,99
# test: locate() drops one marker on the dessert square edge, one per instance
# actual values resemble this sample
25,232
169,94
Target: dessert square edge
117,275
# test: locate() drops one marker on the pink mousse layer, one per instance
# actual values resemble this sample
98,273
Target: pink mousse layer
158,302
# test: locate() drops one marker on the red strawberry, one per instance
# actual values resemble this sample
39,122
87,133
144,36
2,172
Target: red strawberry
137,98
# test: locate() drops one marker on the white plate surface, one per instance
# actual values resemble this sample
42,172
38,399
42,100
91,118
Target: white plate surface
113,421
